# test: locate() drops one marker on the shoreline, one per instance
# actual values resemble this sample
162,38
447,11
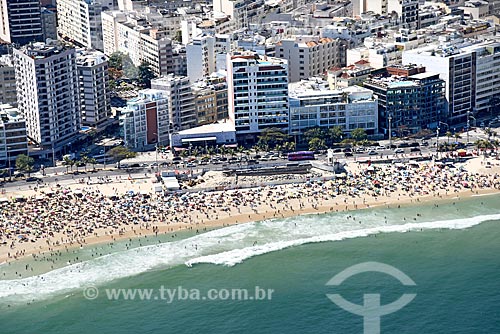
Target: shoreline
91,214
135,234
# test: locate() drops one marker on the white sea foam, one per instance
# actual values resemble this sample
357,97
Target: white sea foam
227,246
235,256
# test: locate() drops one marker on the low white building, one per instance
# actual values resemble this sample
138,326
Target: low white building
220,133
313,104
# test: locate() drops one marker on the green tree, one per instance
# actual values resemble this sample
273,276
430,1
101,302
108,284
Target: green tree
335,134
315,132
358,134
448,134
25,163
93,162
270,137
317,144
145,74
119,153
116,60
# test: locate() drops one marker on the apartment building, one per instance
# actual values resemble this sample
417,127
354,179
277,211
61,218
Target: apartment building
95,98
8,94
206,54
79,21
13,139
210,100
471,70
310,56
49,24
145,121
242,12
143,41
21,21
257,93
181,101
313,103
47,93
411,103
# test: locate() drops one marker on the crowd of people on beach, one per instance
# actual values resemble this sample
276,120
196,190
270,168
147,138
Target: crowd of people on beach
62,216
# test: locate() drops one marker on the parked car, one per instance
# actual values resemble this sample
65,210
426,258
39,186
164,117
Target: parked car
372,152
399,151
414,149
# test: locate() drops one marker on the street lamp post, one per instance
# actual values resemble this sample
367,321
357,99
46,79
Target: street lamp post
8,161
390,132
468,126
437,142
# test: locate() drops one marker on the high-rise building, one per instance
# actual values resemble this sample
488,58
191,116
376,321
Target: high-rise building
95,98
145,122
257,93
309,56
8,94
13,139
49,24
124,33
181,103
20,21
411,99
242,12
206,54
210,99
47,93
471,72
79,21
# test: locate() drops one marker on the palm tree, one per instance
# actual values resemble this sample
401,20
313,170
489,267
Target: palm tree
68,162
448,134
93,162
84,160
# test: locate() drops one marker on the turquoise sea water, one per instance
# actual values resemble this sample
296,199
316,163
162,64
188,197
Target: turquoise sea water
451,251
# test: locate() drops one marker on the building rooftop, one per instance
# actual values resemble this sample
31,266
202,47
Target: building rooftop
89,58
220,126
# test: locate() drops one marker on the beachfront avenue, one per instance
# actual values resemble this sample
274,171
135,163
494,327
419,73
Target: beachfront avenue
179,293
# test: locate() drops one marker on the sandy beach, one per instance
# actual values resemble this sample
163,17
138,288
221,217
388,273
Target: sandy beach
54,218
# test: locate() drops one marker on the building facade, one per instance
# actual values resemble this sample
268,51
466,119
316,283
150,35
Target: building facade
95,94
313,103
8,93
79,21
181,101
471,72
13,139
257,93
411,103
145,122
48,94
124,33
21,21
310,56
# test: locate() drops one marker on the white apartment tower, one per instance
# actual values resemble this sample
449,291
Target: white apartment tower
47,93
20,21
95,98
257,93
206,54
123,33
79,21
181,101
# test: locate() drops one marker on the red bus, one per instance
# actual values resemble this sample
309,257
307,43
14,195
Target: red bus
302,155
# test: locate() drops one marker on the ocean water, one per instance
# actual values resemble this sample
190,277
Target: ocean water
451,251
